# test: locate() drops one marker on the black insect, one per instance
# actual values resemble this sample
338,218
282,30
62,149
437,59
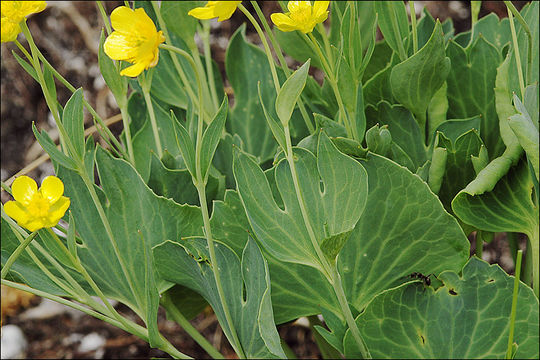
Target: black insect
424,278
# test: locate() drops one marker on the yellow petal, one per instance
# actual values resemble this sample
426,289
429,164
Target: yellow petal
118,46
34,224
320,10
57,211
294,6
16,11
133,70
52,188
203,13
17,212
10,30
23,189
122,19
283,22
225,9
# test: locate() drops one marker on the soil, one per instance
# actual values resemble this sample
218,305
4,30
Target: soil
68,34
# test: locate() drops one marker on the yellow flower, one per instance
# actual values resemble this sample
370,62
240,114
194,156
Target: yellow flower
223,10
301,16
13,12
134,40
34,209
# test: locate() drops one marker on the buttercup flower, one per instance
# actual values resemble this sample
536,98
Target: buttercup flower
301,16
134,40
34,209
13,12
223,10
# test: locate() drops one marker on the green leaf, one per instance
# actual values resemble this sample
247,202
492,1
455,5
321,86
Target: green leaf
49,81
132,210
211,137
110,73
185,145
437,109
24,269
73,120
406,135
378,140
176,184
246,65
71,241
402,223
187,301
437,168
382,54
494,30
283,233
470,88
415,80
176,18
526,133
505,207
294,45
290,92
26,66
467,318
388,12
377,88
223,159
250,309
48,145
275,126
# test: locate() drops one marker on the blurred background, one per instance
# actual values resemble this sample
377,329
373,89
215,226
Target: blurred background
67,32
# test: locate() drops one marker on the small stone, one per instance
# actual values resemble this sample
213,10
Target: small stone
91,342
14,343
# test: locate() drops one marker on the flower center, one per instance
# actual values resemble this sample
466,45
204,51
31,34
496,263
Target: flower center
302,14
39,206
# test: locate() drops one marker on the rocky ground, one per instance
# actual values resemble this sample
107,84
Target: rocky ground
68,34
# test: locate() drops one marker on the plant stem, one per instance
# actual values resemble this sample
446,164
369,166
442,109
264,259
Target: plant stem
525,26
533,247
18,251
197,58
208,60
104,17
514,305
282,63
479,244
333,83
146,82
187,83
127,130
175,313
200,184
265,44
397,34
413,24
516,53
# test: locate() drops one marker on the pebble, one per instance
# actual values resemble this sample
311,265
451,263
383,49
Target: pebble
48,309
14,343
91,342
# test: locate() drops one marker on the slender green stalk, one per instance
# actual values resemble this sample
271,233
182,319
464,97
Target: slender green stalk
181,73
51,103
413,24
208,61
352,54
514,305
104,17
127,130
479,244
265,44
6,188
532,246
395,28
200,184
175,313
104,131
18,251
146,82
282,63
197,58
327,47
525,26
333,84
516,53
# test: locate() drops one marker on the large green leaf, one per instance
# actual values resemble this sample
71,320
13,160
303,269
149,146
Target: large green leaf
470,88
188,264
467,318
136,217
415,80
404,229
333,211
246,65
176,18
391,12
